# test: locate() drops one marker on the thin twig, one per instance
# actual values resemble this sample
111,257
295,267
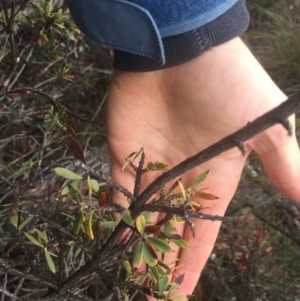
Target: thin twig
275,116
9,294
139,174
105,179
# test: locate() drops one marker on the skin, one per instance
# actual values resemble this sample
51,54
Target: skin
177,112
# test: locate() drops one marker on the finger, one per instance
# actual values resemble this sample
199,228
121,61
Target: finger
280,156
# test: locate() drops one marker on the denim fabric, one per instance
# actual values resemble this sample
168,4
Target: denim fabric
138,26
120,25
186,46
178,16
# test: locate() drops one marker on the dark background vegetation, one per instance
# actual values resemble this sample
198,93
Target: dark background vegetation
256,260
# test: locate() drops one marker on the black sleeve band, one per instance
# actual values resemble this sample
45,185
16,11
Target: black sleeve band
184,47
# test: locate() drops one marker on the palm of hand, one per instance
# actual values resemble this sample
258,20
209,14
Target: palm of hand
178,112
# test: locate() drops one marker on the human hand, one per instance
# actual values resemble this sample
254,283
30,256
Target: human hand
175,113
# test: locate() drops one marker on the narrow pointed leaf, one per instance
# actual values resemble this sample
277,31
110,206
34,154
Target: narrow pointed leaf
103,199
125,165
151,250
138,256
132,154
90,190
173,187
159,244
140,224
14,219
155,272
181,243
179,279
77,222
182,189
140,279
152,229
163,284
169,229
25,222
126,217
76,149
67,174
160,165
50,262
150,166
33,240
95,185
75,193
43,234
199,179
206,196
172,235
65,190
150,260
89,226
174,287
138,153
127,268
109,224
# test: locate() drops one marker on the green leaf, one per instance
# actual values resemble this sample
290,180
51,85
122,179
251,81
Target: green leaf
150,260
138,153
150,166
174,286
140,279
128,270
182,189
90,190
89,226
131,155
33,240
181,243
169,230
50,262
77,222
48,7
199,179
75,193
126,217
14,219
25,222
43,234
173,187
140,224
160,165
109,224
163,284
67,174
138,256
159,244
95,185
155,272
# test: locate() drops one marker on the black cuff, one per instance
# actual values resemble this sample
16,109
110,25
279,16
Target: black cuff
184,47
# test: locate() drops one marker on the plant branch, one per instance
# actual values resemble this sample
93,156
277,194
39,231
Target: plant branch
275,116
236,139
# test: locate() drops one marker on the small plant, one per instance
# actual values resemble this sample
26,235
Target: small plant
61,236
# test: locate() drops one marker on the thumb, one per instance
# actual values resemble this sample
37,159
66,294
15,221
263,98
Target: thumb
280,156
